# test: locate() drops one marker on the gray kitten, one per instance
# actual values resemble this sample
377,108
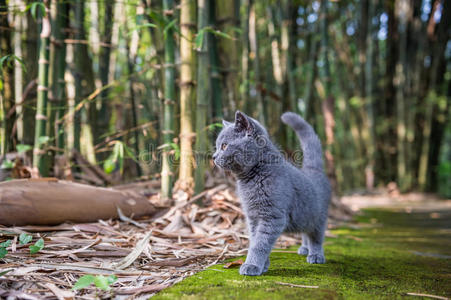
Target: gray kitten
276,196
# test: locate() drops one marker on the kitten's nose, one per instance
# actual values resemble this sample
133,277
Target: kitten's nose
214,156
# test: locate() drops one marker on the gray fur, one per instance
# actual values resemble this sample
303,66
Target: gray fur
276,196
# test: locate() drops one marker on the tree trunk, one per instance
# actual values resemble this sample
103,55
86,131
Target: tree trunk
104,70
287,37
389,110
369,124
132,49
215,71
202,98
404,179
30,57
169,103
58,65
253,41
245,11
440,37
312,70
187,93
7,93
85,118
18,72
328,100
227,21
40,162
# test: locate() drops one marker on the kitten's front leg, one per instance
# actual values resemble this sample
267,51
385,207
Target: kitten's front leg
265,236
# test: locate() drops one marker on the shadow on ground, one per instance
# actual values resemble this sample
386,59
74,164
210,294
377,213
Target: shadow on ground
385,254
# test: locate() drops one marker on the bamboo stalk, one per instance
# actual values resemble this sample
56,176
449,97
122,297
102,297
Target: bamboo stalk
39,158
168,113
187,93
202,97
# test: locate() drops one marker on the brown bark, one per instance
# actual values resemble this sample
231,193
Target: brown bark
50,201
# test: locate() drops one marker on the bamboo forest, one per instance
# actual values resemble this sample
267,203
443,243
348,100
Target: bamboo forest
113,114
139,88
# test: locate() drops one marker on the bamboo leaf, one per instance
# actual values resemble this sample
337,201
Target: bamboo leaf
147,25
139,27
83,282
38,246
43,140
112,279
158,18
22,148
129,153
218,33
215,125
168,27
3,252
199,39
5,244
109,165
7,164
34,7
24,238
176,149
102,282
5,272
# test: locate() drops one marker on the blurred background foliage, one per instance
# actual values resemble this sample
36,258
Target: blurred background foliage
139,87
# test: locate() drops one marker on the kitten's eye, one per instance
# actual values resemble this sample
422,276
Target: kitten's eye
223,146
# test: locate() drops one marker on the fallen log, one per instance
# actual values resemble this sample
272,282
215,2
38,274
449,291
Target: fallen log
49,201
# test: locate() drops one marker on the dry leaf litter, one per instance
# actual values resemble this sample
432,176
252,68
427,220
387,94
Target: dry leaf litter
146,255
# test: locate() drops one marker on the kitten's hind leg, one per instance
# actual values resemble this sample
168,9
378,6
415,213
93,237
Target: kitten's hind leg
316,253
303,250
266,267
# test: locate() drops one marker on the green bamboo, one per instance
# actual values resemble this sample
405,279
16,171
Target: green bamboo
79,34
169,103
85,119
58,68
104,68
215,71
6,80
369,96
403,175
226,17
2,126
40,162
187,92
203,95
244,89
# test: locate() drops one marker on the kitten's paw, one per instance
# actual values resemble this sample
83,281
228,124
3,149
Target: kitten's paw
250,270
316,259
266,267
303,251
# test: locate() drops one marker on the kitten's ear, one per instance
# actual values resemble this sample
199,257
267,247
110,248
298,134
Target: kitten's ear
226,123
243,123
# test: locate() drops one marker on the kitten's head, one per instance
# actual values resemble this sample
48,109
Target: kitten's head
239,145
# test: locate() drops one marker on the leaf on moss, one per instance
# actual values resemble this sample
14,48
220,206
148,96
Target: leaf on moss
234,263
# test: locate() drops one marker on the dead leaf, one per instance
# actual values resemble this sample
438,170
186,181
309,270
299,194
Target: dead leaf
234,263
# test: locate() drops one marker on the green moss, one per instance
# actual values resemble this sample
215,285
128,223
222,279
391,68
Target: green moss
387,255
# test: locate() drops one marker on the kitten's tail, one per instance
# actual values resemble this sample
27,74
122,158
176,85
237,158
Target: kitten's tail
310,144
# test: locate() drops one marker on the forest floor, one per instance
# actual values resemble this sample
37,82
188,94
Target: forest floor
395,248
395,245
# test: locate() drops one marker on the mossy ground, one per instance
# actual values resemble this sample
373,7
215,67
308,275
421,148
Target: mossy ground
387,255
